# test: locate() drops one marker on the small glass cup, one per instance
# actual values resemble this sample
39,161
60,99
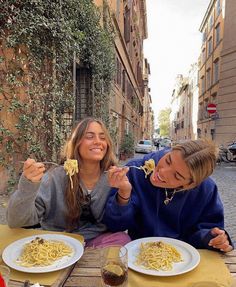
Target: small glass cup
5,273
114,266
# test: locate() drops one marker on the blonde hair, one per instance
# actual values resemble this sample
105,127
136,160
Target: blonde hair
200,156
74,195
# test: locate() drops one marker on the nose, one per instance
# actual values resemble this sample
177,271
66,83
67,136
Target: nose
97,140
165,172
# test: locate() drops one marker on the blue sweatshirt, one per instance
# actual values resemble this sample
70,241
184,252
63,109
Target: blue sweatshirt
188,217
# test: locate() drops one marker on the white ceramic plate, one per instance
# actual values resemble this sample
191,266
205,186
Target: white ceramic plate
12,252
190,256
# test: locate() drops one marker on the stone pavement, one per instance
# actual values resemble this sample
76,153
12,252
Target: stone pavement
225,177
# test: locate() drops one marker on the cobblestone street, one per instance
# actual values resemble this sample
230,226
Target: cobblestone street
224,175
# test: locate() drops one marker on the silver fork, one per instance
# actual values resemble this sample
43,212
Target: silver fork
133,166
44,162
137,167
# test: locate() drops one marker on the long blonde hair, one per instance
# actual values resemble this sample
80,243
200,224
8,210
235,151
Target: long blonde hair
74,196
200,156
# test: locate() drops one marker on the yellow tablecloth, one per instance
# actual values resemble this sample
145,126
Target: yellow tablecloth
8,235
211,272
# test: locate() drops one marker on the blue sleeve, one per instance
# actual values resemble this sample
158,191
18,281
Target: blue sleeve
212,216
120,217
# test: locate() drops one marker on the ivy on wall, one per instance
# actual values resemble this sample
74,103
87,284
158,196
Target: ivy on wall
38,41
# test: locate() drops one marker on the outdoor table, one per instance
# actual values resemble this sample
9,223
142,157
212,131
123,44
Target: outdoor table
86,272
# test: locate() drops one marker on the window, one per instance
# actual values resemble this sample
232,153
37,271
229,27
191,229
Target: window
217,33
200,112
216,70
123,80
210,22
118,72
204,36
208,76
127,24
126,127
203,56
218,8
84,97
209,46
203,85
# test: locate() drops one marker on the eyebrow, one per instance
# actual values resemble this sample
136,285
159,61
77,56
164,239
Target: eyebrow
176,171
92,133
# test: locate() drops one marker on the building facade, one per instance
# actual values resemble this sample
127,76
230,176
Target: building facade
148,114
184,107
217,73
130,101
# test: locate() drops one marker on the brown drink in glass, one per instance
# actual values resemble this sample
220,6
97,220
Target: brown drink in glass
114,266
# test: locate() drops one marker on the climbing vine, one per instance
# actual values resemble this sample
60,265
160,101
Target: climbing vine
39,41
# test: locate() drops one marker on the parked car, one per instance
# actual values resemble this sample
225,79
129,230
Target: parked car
144,146
166,142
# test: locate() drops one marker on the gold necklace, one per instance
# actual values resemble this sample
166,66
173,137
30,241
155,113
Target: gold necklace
168,199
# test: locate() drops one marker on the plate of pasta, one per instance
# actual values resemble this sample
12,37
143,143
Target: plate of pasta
43,253
161,256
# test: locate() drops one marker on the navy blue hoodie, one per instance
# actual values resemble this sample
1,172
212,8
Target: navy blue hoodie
189,216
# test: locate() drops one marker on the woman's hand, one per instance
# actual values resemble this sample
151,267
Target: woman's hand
117,178
220,240
33,170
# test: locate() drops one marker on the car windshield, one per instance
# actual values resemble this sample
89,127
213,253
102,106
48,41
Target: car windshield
146,142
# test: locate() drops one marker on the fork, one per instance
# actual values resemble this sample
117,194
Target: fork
137,167
44,162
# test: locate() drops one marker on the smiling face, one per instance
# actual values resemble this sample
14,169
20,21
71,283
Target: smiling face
171,172
93,145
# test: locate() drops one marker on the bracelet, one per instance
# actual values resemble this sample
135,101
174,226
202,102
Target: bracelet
123,197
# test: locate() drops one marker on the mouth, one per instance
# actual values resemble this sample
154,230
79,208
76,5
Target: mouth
157,177
96,149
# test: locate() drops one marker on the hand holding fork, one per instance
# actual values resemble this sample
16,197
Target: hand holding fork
33,170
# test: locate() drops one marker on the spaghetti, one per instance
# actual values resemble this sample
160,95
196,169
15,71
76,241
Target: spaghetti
41,252
148,167
158,256
71,167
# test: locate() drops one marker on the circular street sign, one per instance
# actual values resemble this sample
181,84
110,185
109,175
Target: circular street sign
211,108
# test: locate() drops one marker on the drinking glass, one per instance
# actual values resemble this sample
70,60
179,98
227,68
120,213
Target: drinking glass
114,266
5,273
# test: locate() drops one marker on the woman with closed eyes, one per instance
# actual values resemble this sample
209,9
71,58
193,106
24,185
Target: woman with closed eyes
177,199
57,203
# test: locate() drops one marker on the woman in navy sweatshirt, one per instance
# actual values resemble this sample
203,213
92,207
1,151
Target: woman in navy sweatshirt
177,199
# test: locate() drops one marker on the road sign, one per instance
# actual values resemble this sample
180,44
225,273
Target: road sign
211,108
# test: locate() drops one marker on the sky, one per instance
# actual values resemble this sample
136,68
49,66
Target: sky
173,44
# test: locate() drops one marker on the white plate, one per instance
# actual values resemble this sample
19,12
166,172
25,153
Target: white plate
12,252
190,256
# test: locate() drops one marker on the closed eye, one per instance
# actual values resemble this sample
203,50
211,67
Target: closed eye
178,176
168,161
89,135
